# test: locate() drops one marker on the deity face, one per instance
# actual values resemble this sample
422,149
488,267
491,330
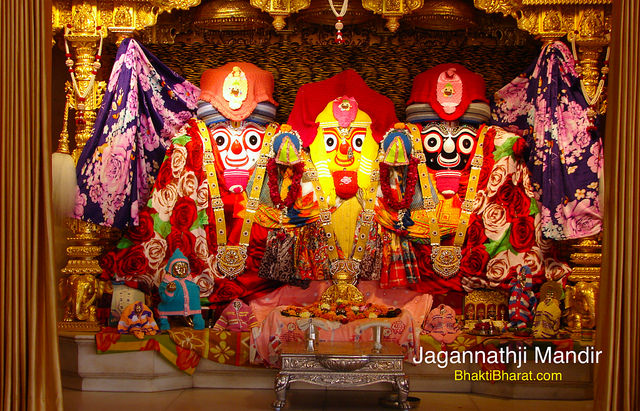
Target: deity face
344,149
180,269
447,146
239,144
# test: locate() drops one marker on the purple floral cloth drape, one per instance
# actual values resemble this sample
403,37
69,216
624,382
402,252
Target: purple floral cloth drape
546,106
145,104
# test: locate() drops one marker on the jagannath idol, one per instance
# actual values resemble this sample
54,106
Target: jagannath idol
455,200
200,202
332,230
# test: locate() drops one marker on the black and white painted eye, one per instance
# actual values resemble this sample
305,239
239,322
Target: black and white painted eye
330,142
465,143
252,140
357,142
432,142
221,137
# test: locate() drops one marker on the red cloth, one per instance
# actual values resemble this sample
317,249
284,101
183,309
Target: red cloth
259,89
425,89
312,98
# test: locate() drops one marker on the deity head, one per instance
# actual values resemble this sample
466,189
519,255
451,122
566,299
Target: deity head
449,102
178,265
342,121
236,103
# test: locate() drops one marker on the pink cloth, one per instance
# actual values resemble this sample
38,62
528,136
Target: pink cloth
276,329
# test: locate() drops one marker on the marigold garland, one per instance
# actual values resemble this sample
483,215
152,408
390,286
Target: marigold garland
410,185
343,312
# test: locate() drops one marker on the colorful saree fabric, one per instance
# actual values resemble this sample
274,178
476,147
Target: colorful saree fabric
546,106
143,107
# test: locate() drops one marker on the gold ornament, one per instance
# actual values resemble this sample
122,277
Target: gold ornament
444,15
230,15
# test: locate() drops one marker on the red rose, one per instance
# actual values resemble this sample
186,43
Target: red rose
487,161
144,230
108,265
165,175
184,214
520,203
474,261
132,261
505,194
195,154
475,232
183,240
520,148
226,290
196,265
522,234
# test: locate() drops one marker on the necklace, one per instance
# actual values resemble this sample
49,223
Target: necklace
231,259
339,15
446,259
339,264
82,96
592,101
410,185
274,189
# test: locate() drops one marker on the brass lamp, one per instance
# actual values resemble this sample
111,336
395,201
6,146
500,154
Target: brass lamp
230,15
444,15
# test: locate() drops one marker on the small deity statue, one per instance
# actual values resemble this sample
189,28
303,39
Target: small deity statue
179,295
441,324
547,319
137,319
79,292
342,290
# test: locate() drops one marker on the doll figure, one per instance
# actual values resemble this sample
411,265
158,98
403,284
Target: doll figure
179,295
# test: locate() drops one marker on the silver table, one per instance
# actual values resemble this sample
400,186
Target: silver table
341,364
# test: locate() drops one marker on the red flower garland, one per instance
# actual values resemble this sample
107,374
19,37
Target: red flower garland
410,185
274,189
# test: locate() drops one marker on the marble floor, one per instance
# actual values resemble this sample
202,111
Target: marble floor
307,400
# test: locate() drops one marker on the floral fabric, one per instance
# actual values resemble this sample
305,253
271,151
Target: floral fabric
504,231
145,104
546,106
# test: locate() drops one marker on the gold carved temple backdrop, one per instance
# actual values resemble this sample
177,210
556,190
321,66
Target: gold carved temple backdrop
28,347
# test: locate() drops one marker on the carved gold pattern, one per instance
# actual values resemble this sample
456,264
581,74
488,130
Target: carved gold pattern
280,9
230,15
392,10
587,22
444,15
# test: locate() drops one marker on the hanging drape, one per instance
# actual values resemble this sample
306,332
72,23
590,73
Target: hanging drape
617,380
28,343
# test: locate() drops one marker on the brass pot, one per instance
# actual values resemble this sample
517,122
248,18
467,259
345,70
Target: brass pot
444,15
230,15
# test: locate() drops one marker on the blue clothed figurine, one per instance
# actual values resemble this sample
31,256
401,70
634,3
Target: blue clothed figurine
179,295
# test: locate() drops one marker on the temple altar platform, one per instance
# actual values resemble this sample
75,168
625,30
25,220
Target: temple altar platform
147,371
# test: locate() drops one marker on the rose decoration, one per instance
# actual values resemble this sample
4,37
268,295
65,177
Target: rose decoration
188,184
181,239
144,230
184,214
178,160
132,262
156,251
164,200
475,232
474,260
195,156
226,290
498,267
495,221
522,234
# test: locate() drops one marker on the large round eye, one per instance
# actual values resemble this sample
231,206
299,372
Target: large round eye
465,143
330,142
432,142
357,142
221,138
252,140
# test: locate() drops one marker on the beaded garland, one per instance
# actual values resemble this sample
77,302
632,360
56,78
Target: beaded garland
82,97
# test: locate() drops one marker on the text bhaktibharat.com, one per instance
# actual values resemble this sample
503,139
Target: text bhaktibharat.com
499,375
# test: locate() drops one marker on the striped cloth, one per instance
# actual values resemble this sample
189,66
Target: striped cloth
264,113
477,113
